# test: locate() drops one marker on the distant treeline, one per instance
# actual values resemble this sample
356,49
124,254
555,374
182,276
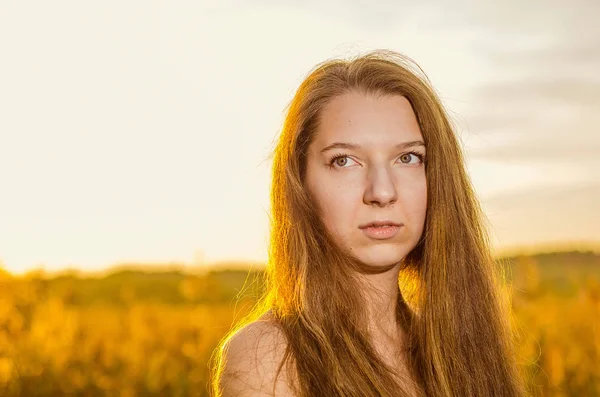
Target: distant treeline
562,272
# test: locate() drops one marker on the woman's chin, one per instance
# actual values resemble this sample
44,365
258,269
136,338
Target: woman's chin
380,256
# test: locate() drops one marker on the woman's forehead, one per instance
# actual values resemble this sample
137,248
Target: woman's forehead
356,121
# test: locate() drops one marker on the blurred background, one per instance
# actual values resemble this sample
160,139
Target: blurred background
134,173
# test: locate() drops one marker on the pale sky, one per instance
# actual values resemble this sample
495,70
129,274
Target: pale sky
140,131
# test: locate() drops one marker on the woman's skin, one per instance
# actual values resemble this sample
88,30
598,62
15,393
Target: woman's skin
375,181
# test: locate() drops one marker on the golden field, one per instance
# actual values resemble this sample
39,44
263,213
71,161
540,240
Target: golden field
135,333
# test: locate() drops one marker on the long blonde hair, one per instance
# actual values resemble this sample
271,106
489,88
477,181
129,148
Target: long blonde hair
459,340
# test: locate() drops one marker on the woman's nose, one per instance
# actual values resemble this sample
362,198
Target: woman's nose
381,188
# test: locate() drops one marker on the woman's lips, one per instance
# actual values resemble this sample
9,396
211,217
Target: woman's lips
381,232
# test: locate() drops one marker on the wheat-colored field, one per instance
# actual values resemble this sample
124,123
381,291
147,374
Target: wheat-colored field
141,334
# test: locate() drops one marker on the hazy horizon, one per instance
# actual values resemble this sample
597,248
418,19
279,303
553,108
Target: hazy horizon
246,265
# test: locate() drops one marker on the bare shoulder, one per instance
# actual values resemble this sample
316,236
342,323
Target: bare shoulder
251,359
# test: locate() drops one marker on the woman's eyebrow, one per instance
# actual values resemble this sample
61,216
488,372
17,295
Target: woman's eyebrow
346,145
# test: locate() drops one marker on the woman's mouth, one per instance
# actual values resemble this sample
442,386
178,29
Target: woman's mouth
381,232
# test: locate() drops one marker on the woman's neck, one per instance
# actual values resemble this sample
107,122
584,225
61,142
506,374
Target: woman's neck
381,293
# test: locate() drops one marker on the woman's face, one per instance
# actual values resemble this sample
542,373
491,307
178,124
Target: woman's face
359,172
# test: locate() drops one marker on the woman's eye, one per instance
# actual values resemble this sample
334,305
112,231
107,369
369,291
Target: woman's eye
341,161
406,156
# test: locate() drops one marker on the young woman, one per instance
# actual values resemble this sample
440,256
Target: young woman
380,276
